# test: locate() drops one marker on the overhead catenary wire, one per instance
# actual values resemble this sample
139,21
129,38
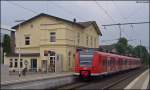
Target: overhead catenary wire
105,11
112,18
125,33
67,11
126,23
18,5
132,14
116,40
118,10
119,24
123,18
46,9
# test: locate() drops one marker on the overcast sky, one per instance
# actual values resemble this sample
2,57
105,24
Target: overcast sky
103,12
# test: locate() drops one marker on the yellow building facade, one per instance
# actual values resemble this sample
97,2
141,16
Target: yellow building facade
44,33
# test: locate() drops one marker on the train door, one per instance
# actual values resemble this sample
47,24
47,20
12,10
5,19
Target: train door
120,64
113,64
124,66
104,66
130,63
117,64
108,65
127,65
100,63
126,62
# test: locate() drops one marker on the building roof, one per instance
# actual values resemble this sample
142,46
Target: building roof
80,24
88,23
6,27
85,24
24,55
107,47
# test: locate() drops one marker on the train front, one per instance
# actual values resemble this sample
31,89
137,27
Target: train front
83,63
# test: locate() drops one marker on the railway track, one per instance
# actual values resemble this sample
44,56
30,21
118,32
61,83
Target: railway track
119,81
74,86
106,82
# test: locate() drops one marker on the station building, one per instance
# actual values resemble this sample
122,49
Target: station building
48,43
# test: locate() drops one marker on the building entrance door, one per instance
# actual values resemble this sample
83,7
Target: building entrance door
52,63
33,64
44,65
52,59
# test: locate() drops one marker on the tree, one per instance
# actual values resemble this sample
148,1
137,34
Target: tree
129,49
6,44
141,52
121,46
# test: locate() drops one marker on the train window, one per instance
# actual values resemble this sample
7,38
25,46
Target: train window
86,60
120,62
104,62
111,62
125,62
108,62
114,62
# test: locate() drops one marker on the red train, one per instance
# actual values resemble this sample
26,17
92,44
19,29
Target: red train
94,63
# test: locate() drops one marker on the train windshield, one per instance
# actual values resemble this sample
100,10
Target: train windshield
86,58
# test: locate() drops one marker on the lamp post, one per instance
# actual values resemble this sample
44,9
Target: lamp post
48,61
53,57
19,71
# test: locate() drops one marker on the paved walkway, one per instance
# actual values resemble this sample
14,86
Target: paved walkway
16,78
141,82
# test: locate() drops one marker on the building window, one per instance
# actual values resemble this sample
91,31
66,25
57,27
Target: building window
31,25
52,37
11,63
21,63
91,41
78,36
87,41
16,63
95,42
27,40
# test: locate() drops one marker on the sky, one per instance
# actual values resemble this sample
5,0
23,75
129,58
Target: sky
103,12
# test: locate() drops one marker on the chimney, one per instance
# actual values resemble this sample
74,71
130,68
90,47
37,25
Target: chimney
74,20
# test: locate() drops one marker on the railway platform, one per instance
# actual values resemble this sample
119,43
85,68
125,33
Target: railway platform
28,77
36,81
141,82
